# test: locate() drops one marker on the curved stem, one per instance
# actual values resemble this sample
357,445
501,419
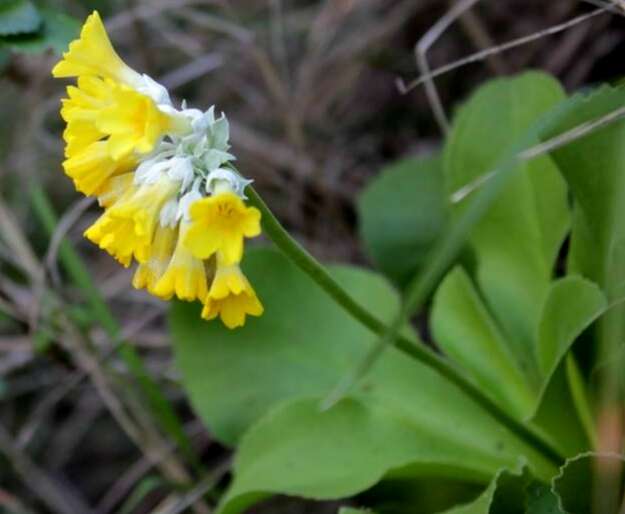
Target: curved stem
309,265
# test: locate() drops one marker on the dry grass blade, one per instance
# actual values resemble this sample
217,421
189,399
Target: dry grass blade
13,236
484,54
544,148
421,50
67,221
193,496
58,499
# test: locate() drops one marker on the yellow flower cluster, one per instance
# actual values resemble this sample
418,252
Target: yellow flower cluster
172,201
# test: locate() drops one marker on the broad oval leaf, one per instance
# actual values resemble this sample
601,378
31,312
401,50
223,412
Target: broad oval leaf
402,212
273,373
517,242
300,347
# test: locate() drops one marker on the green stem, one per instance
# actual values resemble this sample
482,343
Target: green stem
79,274
309,265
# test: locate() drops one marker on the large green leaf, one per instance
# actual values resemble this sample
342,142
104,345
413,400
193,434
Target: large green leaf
517,242
18,17
593,167
559,407
402,211
515,246
300,451
274,372
465,330
299,347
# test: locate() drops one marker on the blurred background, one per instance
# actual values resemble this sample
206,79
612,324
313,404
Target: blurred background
310,89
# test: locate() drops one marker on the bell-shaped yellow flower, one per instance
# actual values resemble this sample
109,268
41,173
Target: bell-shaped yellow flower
126,228
93,54
133,122
92,166
80,110
130,121
115,236
115,188
231,296
185,276
149,272
218,224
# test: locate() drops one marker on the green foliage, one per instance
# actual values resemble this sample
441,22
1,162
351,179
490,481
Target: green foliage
305,343
509,403
517,242
52,30
504,495
402,212
18,17
598,228
575,486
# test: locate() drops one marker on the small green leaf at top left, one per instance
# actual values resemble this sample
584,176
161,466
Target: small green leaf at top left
18,17
56,32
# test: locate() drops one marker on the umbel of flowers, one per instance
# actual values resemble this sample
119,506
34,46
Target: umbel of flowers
172,200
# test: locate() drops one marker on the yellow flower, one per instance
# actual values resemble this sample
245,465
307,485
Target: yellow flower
218,224
115,236
80,111
115,188
126,228
149,273
102,109
109,122
231,296
133,122
92,166
93,54
185,275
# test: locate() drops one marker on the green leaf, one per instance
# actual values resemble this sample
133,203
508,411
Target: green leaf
299,451
517,242
465,330
572,304
578,479
351,510
274,372
541,500
478,326
504,495
18,17
299,347
402,211
56,32
593,168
